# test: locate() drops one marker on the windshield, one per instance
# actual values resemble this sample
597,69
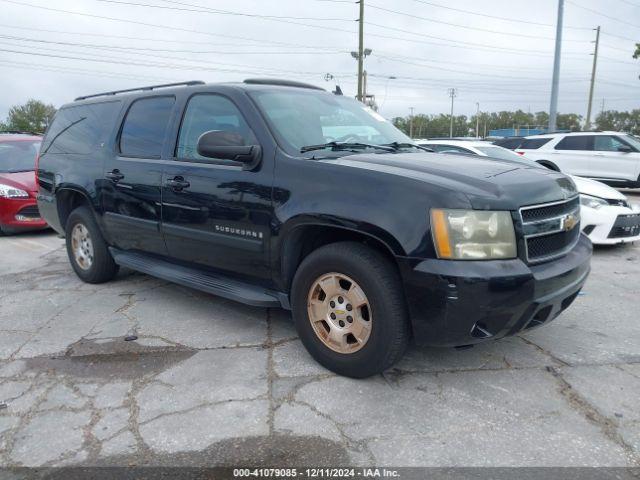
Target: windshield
18,156
500,153
632,140
307,117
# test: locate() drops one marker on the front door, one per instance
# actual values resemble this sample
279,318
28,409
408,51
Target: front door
610,162
131,195
214,213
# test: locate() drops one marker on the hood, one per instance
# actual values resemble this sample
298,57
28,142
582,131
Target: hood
487,183
22,180
597,189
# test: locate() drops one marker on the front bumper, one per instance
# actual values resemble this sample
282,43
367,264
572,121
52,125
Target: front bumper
454,303
20,214
610,225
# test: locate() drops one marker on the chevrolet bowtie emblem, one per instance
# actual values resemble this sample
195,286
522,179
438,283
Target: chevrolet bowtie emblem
569,222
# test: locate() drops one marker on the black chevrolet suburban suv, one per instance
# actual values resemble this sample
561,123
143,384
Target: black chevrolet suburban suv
280,194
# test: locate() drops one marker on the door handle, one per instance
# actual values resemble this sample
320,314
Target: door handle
114,175
177,183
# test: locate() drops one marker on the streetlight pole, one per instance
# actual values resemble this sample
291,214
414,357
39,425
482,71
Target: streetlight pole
553,107
587,124
452,93
360,50
478,119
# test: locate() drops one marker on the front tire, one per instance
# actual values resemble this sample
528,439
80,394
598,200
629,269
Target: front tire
88,252
349,309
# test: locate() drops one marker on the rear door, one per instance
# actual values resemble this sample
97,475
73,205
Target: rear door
573,154
133,176
610,163
214,213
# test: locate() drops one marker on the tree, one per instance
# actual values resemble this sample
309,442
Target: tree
637,53
619,121
33,116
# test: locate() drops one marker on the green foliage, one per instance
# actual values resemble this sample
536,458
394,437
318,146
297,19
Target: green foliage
33,116
430,126
637,52
619,121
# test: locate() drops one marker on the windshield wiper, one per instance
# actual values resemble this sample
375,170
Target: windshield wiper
335,146
399,145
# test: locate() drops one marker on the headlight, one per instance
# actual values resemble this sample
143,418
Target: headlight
7,191
592,202
473,234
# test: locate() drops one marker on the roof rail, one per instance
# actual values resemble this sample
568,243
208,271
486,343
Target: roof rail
282,83
151,87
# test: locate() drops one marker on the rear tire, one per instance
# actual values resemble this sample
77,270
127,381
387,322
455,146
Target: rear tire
88,252
362,277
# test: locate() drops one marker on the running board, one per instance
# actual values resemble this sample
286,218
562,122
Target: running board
206,282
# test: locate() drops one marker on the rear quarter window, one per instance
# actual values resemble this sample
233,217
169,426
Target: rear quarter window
533,143
80,129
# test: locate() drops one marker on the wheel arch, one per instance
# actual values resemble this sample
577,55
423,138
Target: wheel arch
299,240
68,198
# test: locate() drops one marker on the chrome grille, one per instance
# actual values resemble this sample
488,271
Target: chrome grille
550,229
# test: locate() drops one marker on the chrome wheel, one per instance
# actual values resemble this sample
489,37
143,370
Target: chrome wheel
82,246
339,313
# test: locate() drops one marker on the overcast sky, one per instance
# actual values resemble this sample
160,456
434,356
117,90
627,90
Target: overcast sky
49,53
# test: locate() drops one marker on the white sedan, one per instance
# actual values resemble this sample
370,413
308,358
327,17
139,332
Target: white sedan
607,217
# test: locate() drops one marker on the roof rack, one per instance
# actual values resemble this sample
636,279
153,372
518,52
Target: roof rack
281,83
151,87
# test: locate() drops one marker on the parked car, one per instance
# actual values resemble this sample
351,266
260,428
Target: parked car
18,206
280,194
610,157
607,216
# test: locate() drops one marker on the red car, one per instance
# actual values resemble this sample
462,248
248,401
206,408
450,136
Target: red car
18,207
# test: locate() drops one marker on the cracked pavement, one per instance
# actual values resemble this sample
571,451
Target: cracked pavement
211,382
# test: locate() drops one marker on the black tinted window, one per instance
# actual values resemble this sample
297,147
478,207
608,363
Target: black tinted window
510,143
207,112
144,127
533,143
578,142
80,129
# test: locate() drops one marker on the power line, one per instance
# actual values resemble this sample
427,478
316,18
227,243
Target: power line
146,49
201,9
505,19
152,25
165,40
603,14
457,25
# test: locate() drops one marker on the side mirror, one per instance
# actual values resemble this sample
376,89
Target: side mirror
625,149
229,146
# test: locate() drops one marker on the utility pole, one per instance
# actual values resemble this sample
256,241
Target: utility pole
553,108
452,93
360,50
477,119
411,123
587,124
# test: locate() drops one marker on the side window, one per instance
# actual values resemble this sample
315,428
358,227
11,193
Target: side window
576,142
206,112
144,127
607,143
80,129
533,143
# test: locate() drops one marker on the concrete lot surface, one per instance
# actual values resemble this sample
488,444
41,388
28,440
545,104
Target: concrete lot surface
211,382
